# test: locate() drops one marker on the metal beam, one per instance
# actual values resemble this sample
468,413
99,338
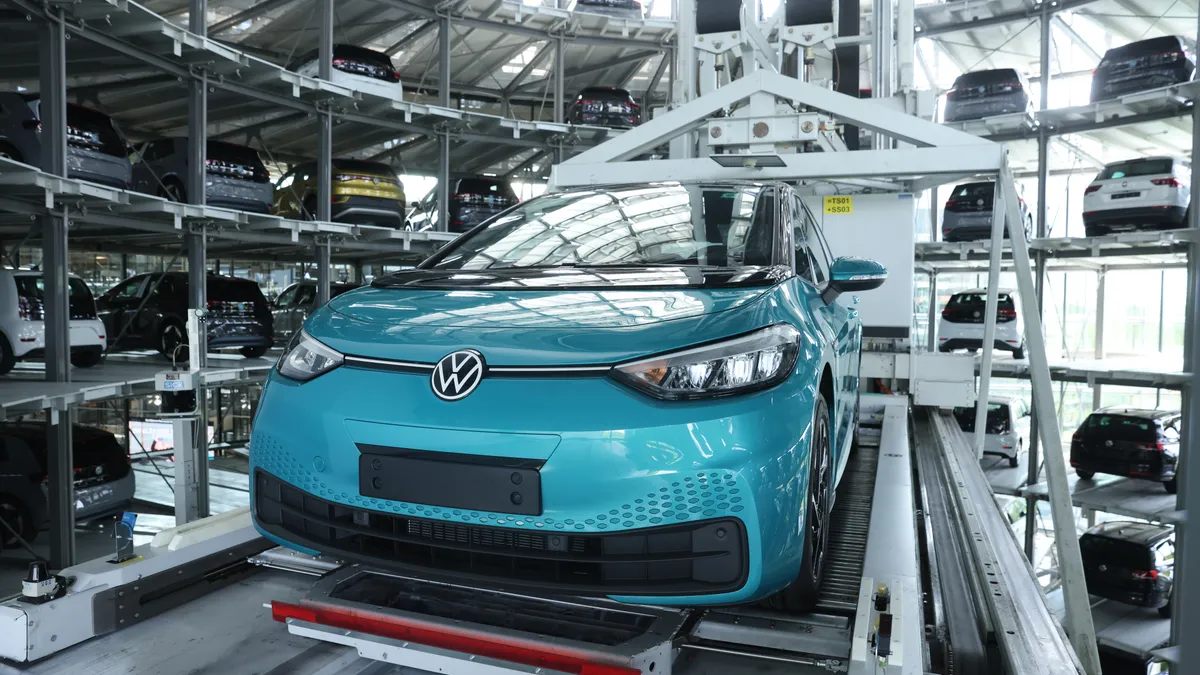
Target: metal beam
418,33
1077,38
324,148
528,68
249,13
974,23
653,85
560,79
587,70
445,43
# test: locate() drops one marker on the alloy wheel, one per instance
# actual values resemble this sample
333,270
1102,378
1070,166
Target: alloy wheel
172,338
15,519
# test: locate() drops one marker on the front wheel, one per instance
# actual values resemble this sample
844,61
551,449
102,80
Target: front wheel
1171,485
1086,475
253,352
802,594
8,359
17,523
1014,462
173,342
1019,352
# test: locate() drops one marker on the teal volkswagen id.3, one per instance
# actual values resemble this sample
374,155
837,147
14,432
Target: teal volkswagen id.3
642,392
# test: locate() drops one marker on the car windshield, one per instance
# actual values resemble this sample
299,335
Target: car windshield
670,224
1145,167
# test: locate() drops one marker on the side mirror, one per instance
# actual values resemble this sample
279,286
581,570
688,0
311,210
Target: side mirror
849,275
414,205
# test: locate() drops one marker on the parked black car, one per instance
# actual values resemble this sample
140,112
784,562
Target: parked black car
472,201
239,317
96,148
235,175
985,93
1128,442
104,482
967,215
1145,64
1133,563
605,107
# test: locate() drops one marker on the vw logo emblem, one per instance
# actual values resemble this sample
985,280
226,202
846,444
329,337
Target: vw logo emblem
1108,444
1104,568
457,374
976,315
1124,183
979,202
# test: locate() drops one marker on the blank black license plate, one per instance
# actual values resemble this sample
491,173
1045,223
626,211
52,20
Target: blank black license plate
497,484
1126,195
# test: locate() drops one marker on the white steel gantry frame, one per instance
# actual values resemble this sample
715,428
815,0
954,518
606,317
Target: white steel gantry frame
940,155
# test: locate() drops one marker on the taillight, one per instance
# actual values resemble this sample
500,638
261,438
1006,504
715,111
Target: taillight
1090,189
339,62
1169,182
1145,574
946,312
1150,447
951,202
1006,314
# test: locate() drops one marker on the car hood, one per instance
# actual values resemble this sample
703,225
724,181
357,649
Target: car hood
593,324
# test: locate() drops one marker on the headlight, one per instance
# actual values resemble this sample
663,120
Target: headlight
305,358
753,361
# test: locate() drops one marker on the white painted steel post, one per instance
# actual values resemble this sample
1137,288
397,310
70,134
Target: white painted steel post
989,321
1080,629
1101,274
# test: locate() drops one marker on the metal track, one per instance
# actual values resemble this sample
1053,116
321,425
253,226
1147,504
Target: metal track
850,524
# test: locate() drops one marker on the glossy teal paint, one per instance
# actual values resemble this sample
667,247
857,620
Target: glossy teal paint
615,458
850,269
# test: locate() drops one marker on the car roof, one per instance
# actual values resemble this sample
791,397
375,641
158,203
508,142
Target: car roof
1147,413
1146,534
983,291
33,273
1154,158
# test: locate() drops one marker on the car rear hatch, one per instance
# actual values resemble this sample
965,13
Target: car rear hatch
997,418
31,295
363,61
236,300
99,458
608,105
236,162
89,129
970,308
977,90
1112,564
1131,184
1140,60
1125,443
478,199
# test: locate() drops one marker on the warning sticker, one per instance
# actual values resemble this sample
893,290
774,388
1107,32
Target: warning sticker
839,204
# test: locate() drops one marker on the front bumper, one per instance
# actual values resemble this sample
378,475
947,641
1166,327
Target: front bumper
360,210
620,465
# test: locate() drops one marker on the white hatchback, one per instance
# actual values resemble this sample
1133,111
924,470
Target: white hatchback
961,326
23,330
1002,437
1147,193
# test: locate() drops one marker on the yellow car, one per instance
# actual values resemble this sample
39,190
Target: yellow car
364,193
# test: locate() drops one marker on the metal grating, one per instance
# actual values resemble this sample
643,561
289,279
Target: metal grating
848,539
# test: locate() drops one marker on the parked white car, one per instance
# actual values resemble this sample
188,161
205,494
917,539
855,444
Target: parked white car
1002,437
1147,193
22,330
961,326
358,68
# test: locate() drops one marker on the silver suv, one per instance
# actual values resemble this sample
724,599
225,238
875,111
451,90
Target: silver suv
96,148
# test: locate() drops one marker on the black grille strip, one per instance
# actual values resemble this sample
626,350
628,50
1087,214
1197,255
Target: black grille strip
702,557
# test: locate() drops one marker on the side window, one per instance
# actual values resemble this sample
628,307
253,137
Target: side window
286,298
1164,554
1170,430
306,295
811,263
128,290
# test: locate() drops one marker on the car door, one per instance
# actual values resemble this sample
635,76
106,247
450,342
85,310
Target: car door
839,323
281,313
118,305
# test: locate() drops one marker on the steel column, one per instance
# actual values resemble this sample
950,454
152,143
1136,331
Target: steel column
1079,626
324,270
443,182
1186,603
1099,341
560,80
445,38
988,347
324,210
60,462
931,329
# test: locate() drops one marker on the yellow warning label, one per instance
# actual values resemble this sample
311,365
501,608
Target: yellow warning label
839,204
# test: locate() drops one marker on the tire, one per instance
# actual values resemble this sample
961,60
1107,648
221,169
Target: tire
1019,352
802,594
1029,229
16,515
1014,462
173,190
8,359
1171,485
1085,475
172,341
253,352
973,350
1095,230
87,358
1165,610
